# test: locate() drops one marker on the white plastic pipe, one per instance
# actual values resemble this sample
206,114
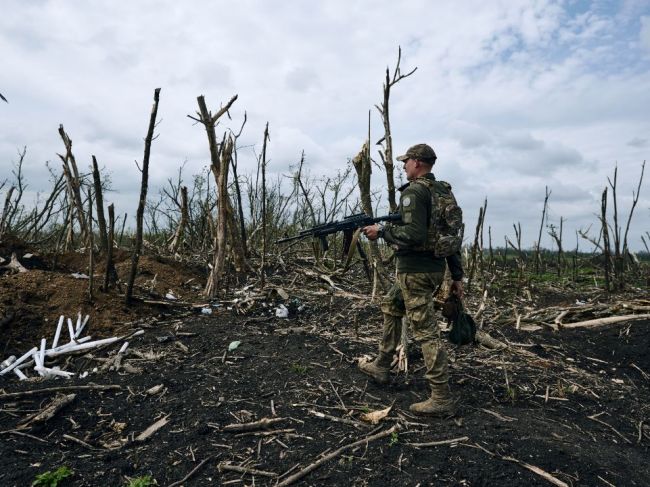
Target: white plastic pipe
42,353
81,327
37,359
70,330
48,372
63,348
84,346
124,347
10,360
20,374
19,361
57,334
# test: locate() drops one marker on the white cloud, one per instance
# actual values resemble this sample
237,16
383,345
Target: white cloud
513,95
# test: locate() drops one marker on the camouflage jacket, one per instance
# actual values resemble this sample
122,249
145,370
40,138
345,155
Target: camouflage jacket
411,234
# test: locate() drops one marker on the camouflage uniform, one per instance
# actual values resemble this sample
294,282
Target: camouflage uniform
419,275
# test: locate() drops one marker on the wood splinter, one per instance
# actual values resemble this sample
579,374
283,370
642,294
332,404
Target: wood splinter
255,425
58,403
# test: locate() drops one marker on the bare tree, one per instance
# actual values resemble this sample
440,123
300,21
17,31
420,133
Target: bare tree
541,226
74,182
99,200
220,155
137,248
386,153
605,233
176,240
635,200
362,165
264,219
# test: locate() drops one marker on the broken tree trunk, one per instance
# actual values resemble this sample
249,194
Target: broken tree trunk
219,168
99,200
264,236
143,197
362,165
214,280
177,239
74,182
387,153
111,274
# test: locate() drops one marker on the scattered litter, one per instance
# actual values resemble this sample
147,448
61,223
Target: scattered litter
170,296
233,345
78,275
206,311
154,390
28,256
36,357
282,311
374,417
10,360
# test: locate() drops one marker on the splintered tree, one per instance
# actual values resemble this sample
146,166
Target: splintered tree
137,248
386,141
362,165
227,229
74,187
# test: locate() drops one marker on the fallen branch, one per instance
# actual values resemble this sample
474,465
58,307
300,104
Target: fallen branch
542,473
440,442
81,442
249,471
21,433
58,403
35,392
595,418
605,321
297,476
152,429
336,419
192,472
256,425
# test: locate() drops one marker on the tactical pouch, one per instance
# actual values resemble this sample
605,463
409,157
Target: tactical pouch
463,327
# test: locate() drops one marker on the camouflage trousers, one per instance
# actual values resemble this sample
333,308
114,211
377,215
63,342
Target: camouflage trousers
412,296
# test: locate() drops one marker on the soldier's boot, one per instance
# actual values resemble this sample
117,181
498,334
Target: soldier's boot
378,369
441,402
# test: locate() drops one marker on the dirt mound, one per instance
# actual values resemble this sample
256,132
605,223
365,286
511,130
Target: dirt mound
54,285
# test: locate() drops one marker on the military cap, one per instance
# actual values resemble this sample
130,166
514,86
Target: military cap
422,152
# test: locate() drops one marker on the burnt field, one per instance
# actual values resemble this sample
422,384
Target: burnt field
548,405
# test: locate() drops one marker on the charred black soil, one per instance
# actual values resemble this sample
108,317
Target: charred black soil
573,404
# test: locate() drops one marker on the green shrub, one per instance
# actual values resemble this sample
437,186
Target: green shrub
52,479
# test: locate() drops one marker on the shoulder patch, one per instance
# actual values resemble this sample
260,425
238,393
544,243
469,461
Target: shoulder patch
406,201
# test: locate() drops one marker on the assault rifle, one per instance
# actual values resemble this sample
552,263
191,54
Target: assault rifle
347,225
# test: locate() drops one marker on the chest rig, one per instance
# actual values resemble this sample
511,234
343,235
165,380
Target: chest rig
445,227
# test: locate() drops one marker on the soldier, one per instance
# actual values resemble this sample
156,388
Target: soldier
428,237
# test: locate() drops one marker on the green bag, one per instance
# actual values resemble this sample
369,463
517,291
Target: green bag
463,327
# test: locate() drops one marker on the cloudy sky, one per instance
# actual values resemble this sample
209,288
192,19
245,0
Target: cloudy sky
513,95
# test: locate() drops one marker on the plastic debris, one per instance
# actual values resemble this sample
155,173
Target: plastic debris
78,275
282,311
170,296
233,345
206,311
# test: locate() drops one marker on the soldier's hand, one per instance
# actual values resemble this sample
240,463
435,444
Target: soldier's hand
371,232
457,288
